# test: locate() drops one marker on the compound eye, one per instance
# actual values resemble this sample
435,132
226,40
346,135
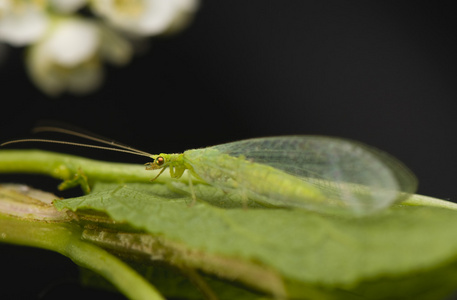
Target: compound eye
160,160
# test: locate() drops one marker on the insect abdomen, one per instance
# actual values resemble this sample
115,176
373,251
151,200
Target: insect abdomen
258,182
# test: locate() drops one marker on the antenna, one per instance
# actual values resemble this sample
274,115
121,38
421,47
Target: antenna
115,145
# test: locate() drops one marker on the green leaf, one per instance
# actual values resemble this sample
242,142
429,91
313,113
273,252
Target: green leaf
404,251
408,251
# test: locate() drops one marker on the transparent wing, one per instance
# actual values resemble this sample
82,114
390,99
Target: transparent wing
360,175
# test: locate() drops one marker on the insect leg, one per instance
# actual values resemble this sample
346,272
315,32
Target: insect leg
192,191
160,173
78,179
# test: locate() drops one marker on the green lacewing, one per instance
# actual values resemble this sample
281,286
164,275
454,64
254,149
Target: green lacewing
318,173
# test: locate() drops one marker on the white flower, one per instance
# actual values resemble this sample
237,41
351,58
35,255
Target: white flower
145,17
72,41
70,56
22,22
66,51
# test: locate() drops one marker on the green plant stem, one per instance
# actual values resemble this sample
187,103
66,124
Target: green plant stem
65,239
65,166
420,200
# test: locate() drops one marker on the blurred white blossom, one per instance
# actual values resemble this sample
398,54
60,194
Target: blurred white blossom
69,58
145,17
22,22
66,51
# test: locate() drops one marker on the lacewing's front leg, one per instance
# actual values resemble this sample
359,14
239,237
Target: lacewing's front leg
177,172
191,186
151,166
78,179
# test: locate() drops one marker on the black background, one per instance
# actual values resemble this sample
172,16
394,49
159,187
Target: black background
382,72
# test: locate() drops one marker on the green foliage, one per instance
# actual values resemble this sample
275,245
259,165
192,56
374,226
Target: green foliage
295,253
223,247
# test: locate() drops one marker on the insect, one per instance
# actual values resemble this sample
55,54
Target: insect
319,173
